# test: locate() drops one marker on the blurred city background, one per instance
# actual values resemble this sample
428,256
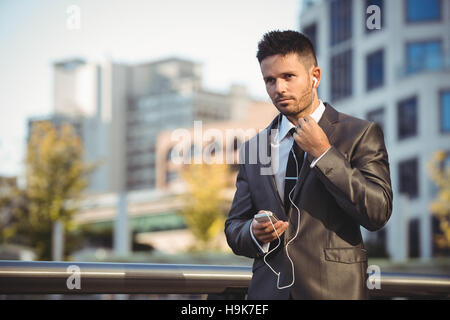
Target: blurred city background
92,91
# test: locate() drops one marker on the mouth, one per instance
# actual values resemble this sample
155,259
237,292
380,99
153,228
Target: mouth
283,101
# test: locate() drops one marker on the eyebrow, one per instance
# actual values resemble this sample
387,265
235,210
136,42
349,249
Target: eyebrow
282,74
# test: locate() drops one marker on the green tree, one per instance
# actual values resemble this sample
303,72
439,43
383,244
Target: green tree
205,202
440,207
55,179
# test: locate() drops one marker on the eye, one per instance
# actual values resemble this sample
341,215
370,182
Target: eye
289,76
270,80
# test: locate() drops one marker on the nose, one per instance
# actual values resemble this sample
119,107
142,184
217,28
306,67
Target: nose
280,86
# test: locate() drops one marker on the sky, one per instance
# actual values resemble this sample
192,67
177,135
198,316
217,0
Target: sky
221,35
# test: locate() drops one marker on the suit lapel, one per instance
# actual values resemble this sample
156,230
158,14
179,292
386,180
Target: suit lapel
326,122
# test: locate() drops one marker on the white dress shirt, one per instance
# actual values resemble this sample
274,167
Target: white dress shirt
281,145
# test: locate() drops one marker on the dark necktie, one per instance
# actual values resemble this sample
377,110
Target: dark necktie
292,171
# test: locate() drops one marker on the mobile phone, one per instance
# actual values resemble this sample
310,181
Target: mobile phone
265,216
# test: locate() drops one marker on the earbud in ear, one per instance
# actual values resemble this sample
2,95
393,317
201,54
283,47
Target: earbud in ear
315,82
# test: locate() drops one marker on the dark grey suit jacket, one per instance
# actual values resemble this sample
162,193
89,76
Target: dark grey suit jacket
348,188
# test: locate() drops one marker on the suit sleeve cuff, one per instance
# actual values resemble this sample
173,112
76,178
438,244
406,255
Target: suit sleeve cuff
264,248
313,163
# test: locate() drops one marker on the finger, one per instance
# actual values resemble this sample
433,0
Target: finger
283,228
301,123
269,229
278,224
271,237
259,234
309,119
260,225
267,234
258,230
264,238
298,136
269,226
275,223
280,227
280,230
281,224
263,230
268,238
307,122
274,235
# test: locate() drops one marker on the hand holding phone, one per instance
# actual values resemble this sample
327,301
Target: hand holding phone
263,230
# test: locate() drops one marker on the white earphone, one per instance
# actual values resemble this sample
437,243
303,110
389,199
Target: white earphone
278,274
315,82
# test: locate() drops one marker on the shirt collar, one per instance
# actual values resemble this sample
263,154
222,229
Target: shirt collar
286,125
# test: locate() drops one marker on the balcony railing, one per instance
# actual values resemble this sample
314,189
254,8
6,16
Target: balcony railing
38,277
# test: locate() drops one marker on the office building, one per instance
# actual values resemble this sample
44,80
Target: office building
122,108
389,62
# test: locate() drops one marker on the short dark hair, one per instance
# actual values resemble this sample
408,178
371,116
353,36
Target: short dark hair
285,42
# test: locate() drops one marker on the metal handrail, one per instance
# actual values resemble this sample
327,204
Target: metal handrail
41,277
61,277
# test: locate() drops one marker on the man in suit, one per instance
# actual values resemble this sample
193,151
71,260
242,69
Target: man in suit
329,175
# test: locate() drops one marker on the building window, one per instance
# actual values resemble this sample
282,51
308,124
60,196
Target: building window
414,238
311,32
375,70
376,116
408,177
379,4
437,232
340,20
341,75
445,111
407,118
425,55
423,10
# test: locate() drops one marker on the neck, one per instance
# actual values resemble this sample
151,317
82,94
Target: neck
307,111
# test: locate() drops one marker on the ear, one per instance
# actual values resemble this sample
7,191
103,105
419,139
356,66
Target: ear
316,73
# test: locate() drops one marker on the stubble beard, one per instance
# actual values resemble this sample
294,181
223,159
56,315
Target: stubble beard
301,108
